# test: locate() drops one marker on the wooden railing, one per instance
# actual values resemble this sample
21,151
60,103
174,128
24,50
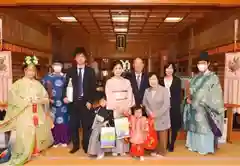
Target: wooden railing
230,108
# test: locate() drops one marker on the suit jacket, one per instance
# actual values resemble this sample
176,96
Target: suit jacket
175,101
89,83
138,93
158,105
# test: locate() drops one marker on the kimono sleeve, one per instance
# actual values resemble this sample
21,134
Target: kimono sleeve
131,99
16,103
214,96
110,96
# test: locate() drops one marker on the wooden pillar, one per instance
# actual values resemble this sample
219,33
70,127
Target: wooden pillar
163,61
150,59
236,24
190,52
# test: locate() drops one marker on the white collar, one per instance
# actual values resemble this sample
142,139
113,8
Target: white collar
136,74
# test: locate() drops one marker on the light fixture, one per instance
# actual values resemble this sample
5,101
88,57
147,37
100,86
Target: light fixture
120,18
67,19
173,19
120,30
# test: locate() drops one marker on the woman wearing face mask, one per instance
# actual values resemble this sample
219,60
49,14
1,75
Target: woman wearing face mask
203,110
157,103
120,99
54,84
173,84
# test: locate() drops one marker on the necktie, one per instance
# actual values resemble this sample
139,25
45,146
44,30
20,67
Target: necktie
80,82
138,81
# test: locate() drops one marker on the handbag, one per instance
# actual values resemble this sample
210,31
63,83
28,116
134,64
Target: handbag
107,137
122,127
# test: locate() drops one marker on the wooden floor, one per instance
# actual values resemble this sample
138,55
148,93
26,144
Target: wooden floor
228,154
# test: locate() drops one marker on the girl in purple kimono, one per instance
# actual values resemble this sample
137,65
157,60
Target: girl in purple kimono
54,83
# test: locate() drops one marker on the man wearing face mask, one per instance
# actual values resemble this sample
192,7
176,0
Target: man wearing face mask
203,112
54,83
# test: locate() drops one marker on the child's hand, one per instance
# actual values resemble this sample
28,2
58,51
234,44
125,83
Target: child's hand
152,115
105,123
126,113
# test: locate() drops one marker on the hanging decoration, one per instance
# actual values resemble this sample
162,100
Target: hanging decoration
121,42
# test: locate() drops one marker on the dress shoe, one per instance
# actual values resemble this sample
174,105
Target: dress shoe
170,149
74,150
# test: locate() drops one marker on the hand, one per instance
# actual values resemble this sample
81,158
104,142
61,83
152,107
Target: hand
51,101
105,123
189,101
152,115
88,105
65,100
126,113
36,101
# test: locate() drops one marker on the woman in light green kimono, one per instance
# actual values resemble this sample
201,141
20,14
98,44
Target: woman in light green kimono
31,138
204,98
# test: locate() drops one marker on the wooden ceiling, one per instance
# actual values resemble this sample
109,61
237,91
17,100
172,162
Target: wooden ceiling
120,2
141,23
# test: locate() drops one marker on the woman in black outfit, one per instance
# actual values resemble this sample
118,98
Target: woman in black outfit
173,84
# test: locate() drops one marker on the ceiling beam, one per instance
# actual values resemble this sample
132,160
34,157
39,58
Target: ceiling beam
79,22
110,14
146,20
129,19
95,21
121,2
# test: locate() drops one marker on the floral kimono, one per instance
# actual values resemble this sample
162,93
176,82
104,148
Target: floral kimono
31,122
206,99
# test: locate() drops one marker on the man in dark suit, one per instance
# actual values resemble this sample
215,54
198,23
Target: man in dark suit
84,88
139,80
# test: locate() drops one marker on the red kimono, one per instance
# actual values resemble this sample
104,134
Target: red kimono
151,141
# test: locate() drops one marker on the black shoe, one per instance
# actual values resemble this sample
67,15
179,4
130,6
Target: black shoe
171,149
74,150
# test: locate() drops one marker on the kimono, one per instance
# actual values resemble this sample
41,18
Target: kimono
119,99
138,135
207,98
102,117
31,121
55,84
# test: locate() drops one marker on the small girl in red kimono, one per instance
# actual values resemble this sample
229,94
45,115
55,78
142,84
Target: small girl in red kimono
138,132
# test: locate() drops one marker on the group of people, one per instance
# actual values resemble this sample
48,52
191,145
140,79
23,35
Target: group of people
141,97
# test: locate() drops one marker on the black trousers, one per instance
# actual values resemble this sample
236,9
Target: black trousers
172,136
80,114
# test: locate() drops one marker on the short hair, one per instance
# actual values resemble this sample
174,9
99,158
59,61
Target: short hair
117,62
173,66
138,58
152,74
139,107
79,50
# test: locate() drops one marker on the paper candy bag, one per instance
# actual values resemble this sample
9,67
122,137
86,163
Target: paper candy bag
107,137
122,127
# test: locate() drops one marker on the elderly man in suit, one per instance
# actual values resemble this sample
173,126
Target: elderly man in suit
157,103
84,88
139,80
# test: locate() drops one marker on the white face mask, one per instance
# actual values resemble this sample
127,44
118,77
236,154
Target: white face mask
57,69
202,67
